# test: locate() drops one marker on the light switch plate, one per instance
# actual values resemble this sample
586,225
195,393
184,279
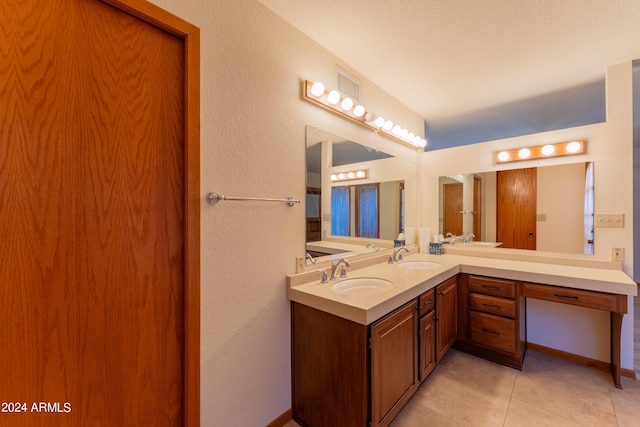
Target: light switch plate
609,220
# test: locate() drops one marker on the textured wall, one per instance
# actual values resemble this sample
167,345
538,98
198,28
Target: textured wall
253,144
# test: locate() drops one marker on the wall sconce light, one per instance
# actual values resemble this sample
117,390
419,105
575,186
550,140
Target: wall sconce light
343,106
539,152
350,176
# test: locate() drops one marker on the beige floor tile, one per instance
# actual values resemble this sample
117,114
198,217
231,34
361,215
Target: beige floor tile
415,414
461,401
580,375
521,414
630,391
587,406
479,371
627,411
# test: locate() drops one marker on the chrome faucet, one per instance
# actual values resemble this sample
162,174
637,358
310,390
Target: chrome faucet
453,238
334,268
397,254
468,239
311,259
374,247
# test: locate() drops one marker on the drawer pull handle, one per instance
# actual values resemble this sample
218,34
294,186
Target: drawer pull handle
428,302
490,287
490,305
490,331
441,293
566,296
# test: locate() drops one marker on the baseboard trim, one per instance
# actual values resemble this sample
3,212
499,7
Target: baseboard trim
282,419
581,360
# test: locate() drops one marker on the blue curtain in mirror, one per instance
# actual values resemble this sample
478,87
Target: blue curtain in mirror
340,211
368,217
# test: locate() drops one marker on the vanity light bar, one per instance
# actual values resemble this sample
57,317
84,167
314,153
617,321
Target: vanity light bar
351,175
540,151
331,100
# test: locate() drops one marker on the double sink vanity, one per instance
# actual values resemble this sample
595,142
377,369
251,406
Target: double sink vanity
362,345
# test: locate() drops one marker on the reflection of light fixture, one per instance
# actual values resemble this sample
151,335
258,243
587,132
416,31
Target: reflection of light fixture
350,175
540,151
332,101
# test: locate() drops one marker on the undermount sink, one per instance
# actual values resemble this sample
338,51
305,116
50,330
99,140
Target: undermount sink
419,265
362,286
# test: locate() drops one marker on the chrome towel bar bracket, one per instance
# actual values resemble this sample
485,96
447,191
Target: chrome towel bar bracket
213,199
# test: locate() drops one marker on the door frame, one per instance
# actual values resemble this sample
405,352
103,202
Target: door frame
158,17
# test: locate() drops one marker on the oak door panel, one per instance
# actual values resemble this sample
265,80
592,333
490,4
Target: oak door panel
91,215
516,208
452,222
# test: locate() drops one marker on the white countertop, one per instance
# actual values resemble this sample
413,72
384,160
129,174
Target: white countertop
408,284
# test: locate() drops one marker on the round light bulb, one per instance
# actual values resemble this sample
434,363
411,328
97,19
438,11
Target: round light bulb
351,175
369,117
341,175
334,177
379,122
347,103
360,174
524,153
396,130
317,89
410,136
503,156
573,147
548,150
388,125
403,133
358,111
333,97
423,142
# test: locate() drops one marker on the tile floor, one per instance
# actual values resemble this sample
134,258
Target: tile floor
465,390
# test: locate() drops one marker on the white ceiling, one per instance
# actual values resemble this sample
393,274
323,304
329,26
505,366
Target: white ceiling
445,58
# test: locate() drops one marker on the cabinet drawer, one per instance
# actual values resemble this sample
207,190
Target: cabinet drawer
490,286
492,305
493,332
597,300
427,302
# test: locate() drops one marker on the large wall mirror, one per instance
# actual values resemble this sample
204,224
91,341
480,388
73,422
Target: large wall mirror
548,208
343,216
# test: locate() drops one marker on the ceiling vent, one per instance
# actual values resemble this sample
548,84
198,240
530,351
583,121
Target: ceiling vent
348,86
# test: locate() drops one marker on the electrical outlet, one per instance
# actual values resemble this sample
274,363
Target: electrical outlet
609,220
617,254
299,264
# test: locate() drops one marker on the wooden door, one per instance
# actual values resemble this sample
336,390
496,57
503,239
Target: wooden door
99,215
446,317
477,207
452,199
516,208
394,363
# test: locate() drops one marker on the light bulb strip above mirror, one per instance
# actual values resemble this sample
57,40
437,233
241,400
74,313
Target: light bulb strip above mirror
540,151
333,101
350,175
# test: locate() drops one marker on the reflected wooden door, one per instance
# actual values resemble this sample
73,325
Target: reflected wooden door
92,217
452,199
477,207
516,208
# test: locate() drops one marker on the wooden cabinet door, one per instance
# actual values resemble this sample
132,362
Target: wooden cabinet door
427,345
394,363
516,208
446,317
